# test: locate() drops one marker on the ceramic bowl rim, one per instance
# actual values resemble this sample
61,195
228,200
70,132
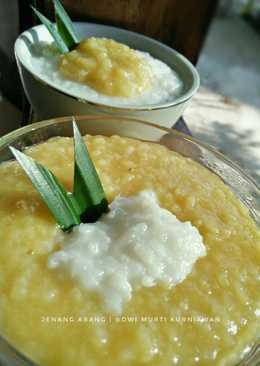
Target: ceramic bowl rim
179,100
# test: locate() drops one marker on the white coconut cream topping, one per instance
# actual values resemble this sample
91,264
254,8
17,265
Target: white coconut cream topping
137,244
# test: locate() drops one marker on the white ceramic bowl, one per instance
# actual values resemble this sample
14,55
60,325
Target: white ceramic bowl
49,101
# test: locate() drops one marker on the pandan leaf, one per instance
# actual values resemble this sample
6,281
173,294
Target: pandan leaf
65,26
87,202
88,190
61,204
63,48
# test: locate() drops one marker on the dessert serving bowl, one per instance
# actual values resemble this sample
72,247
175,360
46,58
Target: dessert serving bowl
192,180
61,101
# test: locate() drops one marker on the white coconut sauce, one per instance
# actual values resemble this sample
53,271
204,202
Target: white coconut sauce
137,244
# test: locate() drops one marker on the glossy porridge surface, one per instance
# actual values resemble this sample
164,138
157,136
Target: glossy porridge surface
210,318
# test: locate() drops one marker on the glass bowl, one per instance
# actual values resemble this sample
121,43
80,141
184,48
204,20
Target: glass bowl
242,185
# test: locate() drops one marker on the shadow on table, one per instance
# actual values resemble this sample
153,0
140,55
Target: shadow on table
237,145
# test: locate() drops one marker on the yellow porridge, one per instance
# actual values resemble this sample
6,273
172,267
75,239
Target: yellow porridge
208,319
108,66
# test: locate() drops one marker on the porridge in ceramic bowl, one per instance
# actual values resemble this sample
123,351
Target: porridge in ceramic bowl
105,71
102,69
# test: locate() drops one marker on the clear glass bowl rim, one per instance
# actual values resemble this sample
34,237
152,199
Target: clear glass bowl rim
11,136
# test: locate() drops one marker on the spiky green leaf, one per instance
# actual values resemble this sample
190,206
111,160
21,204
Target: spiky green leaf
61,203
65,26
88,190
63,48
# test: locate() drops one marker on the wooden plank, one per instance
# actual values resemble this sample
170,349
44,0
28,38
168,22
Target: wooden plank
27,18
9,78
181,24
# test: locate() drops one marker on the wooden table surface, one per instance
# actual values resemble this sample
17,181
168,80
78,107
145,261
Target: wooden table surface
230,126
